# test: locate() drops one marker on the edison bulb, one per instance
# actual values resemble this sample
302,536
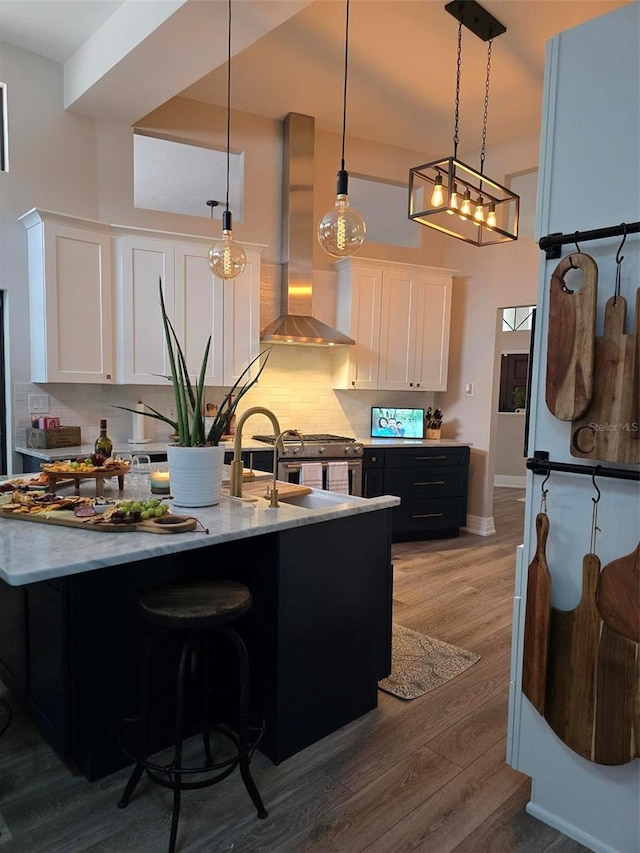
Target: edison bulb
491,216
455,201
479,211
341,231
437,196
465,207
227,259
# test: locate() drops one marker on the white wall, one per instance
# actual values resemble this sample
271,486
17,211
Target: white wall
592,121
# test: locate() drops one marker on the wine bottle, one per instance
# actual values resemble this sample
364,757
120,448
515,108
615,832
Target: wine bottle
103,443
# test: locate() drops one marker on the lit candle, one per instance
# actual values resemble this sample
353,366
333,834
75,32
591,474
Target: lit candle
160,481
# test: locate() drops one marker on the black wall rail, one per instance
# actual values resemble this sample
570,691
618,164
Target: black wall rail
552,242
540,464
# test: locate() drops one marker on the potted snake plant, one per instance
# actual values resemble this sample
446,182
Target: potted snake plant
196,458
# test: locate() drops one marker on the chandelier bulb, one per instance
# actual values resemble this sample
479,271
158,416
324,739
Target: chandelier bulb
491,216
479,211
341,231
455,201
437,196
465,207
227,259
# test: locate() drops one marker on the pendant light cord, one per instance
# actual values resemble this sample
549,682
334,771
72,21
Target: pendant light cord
456,136
228,101
486,109
346,69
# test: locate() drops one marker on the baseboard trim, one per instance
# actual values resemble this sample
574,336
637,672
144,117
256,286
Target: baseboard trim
508,481
569,829
480,525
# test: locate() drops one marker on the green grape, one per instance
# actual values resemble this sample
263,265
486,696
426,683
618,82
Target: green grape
145,514
158,511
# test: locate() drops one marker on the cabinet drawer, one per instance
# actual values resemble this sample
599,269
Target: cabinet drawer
438,514
425,482
400,458
372,458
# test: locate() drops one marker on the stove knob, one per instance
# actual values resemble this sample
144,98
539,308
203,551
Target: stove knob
322,450
347,449
296,450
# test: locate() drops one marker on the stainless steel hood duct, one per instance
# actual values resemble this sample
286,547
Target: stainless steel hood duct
296,325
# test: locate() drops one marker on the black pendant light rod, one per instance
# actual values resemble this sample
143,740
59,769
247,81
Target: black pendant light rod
228,106
540,464
344,94
552,242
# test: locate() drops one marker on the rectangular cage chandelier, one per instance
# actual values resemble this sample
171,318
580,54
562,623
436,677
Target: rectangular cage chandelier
451,196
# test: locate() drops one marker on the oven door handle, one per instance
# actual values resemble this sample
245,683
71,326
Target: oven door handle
295,466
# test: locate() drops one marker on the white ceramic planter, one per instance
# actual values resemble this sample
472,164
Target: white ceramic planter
195,474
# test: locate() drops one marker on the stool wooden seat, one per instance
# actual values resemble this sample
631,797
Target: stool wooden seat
197,608
195,604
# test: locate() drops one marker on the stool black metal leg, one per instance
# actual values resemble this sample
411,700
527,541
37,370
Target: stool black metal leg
145,679
243,720
176,766
205,701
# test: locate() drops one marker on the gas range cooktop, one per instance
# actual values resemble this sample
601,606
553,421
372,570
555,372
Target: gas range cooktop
315,445
312,438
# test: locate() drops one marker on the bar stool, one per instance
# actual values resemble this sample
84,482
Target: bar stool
199,608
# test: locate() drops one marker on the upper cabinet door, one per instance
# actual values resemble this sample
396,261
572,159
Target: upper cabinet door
398,324
359,301
241,333
432,332
143,353
70,302
199,308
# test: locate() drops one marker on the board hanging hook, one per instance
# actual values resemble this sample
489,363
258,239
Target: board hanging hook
544,492
594,518
619,260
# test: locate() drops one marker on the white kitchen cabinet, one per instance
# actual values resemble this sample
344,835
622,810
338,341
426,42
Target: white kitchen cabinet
199,305
70,299
399,316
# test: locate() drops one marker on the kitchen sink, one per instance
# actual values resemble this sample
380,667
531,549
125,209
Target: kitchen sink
319,500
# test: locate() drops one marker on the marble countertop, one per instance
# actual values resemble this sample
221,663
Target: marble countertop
31,552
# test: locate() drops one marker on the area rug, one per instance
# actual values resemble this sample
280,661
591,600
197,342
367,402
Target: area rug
420,663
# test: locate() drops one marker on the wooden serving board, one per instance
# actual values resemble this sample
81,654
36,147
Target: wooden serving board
168,523
570,349
536,621
56,478
258,489
609,428
592,680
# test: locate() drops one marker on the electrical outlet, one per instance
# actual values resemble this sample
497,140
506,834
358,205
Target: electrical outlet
469,389
38,403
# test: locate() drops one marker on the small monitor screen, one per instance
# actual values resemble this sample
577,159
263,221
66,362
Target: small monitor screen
388,422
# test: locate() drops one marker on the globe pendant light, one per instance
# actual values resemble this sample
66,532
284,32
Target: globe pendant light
487,212
227,259
341,231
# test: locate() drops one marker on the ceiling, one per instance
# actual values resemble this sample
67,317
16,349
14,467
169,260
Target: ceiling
401,61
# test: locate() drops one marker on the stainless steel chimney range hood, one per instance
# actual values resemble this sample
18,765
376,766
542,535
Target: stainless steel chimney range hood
296,325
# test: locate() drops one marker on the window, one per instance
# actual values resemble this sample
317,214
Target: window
383,206
179,178
4,130
517,319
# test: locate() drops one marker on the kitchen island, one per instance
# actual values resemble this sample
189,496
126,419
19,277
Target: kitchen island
319,631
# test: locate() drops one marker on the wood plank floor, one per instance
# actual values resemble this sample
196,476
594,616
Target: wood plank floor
425,775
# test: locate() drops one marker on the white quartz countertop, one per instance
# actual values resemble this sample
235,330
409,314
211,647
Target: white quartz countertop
31,552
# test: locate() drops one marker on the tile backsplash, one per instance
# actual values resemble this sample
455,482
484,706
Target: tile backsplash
296,385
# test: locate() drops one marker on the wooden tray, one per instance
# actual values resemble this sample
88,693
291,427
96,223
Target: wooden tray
258,489
57,477
168,523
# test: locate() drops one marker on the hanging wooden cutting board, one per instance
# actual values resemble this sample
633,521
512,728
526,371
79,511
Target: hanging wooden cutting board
618,595
608,429
570,340
537,620
616,729
573,648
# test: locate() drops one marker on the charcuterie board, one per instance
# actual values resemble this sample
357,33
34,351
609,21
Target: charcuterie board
99,475
167,523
